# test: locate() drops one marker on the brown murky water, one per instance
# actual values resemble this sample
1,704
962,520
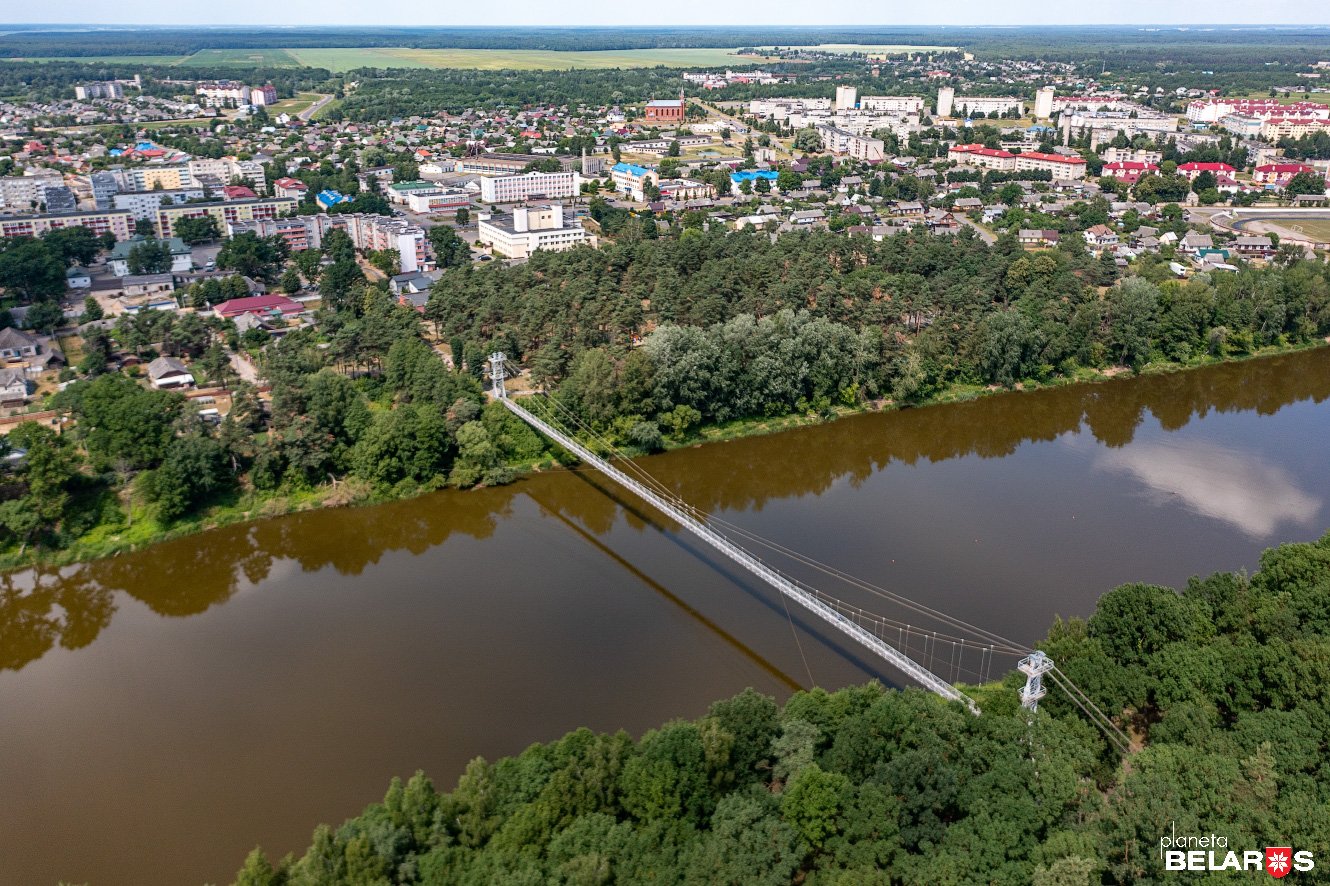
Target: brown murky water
163,712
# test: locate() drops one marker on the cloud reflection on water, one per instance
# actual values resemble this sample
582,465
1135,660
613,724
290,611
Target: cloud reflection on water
1240,488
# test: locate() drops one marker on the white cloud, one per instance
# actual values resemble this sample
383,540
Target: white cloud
1239,488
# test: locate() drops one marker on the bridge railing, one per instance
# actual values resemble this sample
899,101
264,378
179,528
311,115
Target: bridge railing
825,608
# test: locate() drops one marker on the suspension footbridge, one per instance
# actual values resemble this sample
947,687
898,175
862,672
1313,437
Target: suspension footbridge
868,630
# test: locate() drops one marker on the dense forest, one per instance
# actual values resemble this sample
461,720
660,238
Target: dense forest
1220,689
49,41
646,340
50,81
738,325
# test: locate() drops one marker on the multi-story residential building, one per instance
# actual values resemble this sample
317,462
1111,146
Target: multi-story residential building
1043,103
224,93
228,170
298,232
1060,165
224,213
1278,175
60,198
902,105
1129,171
26,193
1277,128
1131,155
1193,169
780,109
104,186
380,232
290,187
117,223
971,105
107,89
149,178
519,188
529,229
842,142
982,157
847,97
367,232
1214,110
1111,102
145,204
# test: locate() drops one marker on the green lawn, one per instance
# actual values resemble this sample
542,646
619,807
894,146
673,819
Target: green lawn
294,105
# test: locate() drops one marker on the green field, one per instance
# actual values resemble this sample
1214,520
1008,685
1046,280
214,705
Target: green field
1314,227
515,59
294,105
348,58
111,59
869,48
266,58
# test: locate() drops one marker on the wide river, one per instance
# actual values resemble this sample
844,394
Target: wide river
163,712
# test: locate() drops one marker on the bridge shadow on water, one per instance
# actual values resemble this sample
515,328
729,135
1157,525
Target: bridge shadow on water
757,591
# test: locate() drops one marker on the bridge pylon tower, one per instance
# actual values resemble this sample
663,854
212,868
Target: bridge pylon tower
497,375
1034,666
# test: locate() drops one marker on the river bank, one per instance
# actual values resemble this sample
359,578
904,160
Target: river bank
143,530
321,653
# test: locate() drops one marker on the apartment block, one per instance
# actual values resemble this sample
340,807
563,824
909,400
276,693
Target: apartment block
115,222
519,188
367,232
145,204
26,193
225,213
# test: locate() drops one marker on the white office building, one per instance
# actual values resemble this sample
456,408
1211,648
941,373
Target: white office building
518,188
530,228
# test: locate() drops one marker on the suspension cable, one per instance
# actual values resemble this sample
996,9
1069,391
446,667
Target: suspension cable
997,641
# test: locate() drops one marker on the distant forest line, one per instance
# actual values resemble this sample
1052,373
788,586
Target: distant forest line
31,41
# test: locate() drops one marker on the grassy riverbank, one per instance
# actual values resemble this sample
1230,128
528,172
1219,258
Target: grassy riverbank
139,527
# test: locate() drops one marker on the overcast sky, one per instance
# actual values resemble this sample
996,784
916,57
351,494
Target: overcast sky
677,12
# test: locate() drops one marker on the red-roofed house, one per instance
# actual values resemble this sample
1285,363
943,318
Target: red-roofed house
1060,165
1279,174
1193,169
1128,171
238,192
290,187
984,158
264,306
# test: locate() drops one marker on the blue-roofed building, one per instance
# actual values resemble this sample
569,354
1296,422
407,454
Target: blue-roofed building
631,179
328,199
752,176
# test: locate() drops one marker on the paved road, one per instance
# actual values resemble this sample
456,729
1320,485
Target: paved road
983,234
313,109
